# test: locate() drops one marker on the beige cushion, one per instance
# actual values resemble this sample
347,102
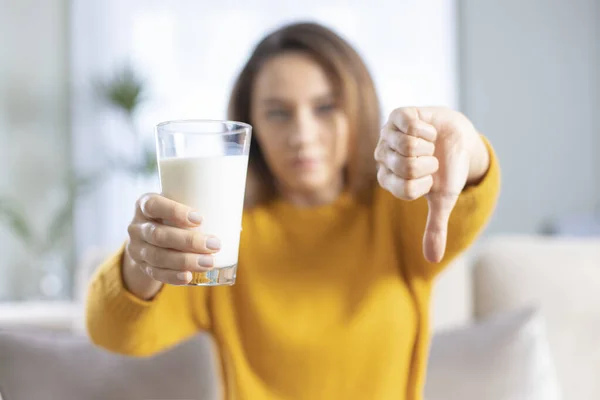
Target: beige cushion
505,357
562,277
59,366
452,298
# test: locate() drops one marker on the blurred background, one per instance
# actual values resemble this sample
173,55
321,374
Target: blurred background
83,82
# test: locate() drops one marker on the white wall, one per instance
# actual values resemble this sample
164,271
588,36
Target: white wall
34,126
530,80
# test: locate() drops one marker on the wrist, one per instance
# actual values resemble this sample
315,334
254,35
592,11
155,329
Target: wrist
136,281
479,162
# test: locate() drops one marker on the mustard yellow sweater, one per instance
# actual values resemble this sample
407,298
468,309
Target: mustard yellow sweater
330,302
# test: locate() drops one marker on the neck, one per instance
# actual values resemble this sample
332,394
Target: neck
313,198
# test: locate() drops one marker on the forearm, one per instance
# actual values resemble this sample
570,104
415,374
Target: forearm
137,282
479,162
122,322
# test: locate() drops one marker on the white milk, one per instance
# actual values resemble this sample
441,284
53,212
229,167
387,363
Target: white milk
215,187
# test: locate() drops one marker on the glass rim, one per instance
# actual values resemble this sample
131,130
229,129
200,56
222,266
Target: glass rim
239,127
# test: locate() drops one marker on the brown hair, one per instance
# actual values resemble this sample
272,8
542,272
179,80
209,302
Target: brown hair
357,94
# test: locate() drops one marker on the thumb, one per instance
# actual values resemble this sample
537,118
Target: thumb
436,230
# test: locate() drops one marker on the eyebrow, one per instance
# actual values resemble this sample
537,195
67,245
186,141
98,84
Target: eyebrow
273,101
316,99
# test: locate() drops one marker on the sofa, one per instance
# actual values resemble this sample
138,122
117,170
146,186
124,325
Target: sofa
518,317
559,277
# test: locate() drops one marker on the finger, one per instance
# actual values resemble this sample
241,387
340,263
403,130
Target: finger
402,117
175,238
167,276
407,120
409,146
170,259
409,167
157,207
405,189
380,150
436,230
450,181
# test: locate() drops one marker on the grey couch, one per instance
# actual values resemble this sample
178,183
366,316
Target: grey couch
42,365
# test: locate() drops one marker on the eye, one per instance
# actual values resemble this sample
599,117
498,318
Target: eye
326,108
278,114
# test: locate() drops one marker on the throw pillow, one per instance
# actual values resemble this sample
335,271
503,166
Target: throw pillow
506,357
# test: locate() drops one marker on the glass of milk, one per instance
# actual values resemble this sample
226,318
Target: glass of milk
203,165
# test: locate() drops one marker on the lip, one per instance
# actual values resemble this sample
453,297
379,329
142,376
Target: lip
305,163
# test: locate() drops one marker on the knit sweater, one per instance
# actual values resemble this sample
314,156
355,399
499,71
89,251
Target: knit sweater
330,302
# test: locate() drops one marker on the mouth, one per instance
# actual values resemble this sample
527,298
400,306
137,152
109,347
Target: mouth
305,163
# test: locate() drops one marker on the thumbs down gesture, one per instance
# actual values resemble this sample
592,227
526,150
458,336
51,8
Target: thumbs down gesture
431,152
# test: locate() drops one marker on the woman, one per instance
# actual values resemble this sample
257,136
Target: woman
332,293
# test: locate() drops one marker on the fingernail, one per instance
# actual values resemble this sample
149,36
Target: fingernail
213,243
194,217
183,276
206,261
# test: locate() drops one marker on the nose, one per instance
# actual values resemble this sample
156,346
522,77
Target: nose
305,130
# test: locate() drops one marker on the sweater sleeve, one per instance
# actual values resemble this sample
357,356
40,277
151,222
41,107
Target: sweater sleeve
120,322
470,215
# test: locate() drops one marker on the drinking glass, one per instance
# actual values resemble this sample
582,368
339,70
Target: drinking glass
203,164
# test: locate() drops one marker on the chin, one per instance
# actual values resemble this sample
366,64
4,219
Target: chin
312,182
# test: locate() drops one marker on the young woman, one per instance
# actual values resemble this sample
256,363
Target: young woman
345,228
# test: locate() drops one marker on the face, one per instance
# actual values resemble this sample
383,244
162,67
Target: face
302,131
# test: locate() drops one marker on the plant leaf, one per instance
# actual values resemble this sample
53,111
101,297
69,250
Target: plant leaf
15,219
125,90
60,225
150,164
62,222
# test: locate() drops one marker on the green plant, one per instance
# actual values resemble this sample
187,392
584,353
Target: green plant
125,91
13,214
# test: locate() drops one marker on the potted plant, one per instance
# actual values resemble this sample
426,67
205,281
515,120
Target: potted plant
46,272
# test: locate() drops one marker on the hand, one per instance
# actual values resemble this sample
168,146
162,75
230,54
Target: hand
432,152
163,246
